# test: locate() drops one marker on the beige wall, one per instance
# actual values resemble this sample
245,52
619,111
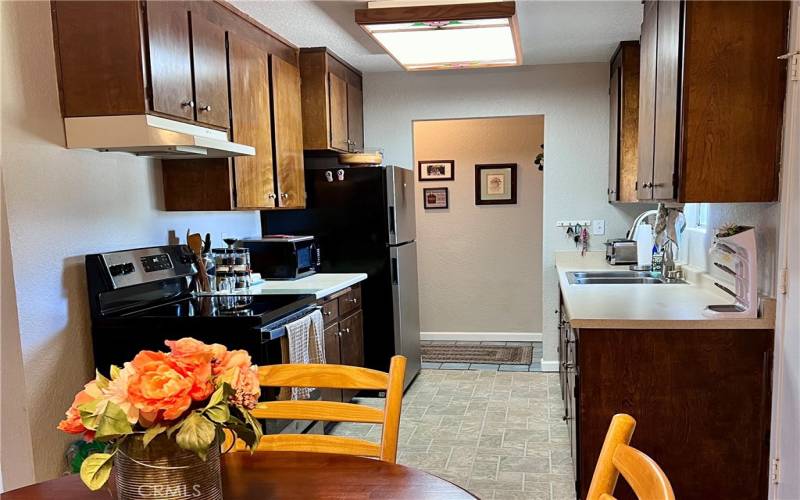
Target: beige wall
480,267
63,204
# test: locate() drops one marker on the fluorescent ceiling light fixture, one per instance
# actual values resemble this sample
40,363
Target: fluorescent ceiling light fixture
450,36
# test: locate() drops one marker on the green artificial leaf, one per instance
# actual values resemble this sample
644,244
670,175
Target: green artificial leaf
196,434
95,470
114,372
105,418
152,432
219,413
244,433
253,424
101,380
217,397
174,428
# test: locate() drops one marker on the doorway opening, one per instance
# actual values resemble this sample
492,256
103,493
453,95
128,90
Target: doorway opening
479,193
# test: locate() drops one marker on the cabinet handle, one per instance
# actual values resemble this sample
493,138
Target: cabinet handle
352,301
327,313
566,417
188,103
339,334
657,185
346,330
205,108
647,185
567,366
271,196
284,195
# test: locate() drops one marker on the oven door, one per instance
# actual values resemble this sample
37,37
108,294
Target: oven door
275,350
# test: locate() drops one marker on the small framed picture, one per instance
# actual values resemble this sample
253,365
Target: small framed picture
437,170
496,184
436,198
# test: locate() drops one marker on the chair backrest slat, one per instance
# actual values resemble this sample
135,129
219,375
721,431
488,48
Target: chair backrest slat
316,443
327,411
394,400
640,471
322,376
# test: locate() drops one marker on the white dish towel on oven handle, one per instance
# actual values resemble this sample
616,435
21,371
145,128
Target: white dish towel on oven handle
306,345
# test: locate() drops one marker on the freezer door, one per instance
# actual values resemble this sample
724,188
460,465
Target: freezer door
400,201
405,294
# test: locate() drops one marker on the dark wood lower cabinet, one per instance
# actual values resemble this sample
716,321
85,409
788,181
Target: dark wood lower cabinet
701,400
344,335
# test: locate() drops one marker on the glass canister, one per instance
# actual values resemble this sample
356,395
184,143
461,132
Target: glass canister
241,259
224,259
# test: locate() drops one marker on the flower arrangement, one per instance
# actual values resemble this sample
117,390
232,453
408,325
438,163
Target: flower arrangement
190,394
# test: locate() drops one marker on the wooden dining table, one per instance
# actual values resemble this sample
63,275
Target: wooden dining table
280,475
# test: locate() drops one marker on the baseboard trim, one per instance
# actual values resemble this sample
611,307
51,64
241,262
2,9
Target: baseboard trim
483,336
549,366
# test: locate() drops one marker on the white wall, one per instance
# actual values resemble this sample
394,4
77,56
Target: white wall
63,204
486,279
574,101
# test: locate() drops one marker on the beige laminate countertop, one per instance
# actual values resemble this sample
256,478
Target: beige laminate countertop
667,306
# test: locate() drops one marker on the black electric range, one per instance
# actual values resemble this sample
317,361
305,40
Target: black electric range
139,298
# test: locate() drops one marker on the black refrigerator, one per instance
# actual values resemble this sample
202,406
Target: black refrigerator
363,219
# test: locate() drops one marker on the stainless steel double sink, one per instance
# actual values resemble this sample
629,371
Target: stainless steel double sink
619,278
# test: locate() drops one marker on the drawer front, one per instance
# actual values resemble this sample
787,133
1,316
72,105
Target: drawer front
350,301
330,312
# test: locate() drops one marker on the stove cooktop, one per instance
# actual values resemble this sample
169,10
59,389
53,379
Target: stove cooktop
261,309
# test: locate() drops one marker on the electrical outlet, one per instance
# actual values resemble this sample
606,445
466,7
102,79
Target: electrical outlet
598,227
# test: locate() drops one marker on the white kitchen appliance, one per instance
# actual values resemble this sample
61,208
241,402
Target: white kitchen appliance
736,256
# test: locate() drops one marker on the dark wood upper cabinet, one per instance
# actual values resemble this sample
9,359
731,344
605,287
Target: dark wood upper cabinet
333,116
355,117
711,100
169,53
623,162
288,134
337,91
210,72
251,124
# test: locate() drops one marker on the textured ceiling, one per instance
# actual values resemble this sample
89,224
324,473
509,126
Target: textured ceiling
552,32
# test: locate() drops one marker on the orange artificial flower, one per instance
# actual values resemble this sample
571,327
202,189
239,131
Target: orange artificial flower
160,384
195,358
72,424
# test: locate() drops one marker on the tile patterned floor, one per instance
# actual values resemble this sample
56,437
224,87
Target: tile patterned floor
535,366
497,434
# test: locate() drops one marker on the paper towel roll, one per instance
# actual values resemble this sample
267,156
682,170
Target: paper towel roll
644,244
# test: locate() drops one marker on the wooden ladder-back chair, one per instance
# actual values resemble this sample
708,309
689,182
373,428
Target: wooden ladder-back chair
644,476
333,377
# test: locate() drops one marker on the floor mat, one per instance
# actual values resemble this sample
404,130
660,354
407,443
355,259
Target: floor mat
478,353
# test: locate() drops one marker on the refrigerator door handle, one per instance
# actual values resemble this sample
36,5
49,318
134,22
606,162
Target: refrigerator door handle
392,222
394,271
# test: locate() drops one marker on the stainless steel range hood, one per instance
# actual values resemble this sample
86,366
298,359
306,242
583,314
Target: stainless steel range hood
148,135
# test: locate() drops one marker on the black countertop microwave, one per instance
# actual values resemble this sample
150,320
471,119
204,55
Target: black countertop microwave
283,257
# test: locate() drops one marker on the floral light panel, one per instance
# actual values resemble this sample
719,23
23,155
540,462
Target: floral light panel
431,45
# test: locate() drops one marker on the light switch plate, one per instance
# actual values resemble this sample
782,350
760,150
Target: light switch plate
598,227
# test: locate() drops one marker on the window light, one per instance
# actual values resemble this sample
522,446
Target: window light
451,36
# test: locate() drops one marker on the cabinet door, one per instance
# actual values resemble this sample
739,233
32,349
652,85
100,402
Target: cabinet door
614,92
352,346
332,357
170,59
251,124
337,96
210,72
647,100
288,122
355,117
666,118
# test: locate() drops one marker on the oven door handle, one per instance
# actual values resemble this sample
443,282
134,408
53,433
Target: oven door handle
277,329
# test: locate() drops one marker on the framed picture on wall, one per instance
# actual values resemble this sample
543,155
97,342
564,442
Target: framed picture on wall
436,198
496,184
437,170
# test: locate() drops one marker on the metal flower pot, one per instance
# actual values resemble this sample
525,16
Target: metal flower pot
165,471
